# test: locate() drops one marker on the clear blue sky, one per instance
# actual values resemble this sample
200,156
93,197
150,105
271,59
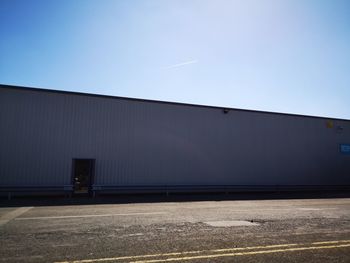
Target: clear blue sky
275,55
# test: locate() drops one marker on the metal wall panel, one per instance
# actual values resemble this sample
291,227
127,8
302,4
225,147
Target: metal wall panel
141,143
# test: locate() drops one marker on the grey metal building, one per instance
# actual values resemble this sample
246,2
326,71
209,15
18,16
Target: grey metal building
56,140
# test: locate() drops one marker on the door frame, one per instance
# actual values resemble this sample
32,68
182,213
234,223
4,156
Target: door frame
92,173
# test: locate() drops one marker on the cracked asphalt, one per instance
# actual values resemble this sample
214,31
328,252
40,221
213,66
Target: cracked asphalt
288,230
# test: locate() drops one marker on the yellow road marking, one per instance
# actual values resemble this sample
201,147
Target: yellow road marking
240,254
208,251
175,253
330,242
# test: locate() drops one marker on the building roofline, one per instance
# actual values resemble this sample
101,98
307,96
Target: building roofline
25,88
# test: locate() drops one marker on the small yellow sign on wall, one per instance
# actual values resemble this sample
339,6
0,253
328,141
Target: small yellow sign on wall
329,124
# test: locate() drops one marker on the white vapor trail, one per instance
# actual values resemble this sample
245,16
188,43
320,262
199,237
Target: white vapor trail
182,64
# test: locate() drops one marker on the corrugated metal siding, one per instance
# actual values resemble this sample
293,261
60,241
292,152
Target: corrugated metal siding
140,143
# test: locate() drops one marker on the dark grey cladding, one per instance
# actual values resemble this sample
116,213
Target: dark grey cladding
140,143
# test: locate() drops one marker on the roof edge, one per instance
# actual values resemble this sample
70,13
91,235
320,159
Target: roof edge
162,102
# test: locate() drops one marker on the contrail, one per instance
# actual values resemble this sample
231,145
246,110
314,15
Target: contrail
182,64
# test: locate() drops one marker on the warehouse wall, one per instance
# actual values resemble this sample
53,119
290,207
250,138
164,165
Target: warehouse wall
141,143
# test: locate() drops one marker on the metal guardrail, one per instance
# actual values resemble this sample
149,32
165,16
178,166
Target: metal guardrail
68,190
214,188
14,190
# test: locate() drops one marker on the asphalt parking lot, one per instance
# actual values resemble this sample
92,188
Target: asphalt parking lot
286,230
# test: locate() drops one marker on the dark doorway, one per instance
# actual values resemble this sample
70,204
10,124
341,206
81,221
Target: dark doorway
83,174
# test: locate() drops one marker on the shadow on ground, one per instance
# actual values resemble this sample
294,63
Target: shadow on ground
157,198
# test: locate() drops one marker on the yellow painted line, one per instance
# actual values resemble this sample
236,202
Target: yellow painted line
194,252
330,242
241,254
174,254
